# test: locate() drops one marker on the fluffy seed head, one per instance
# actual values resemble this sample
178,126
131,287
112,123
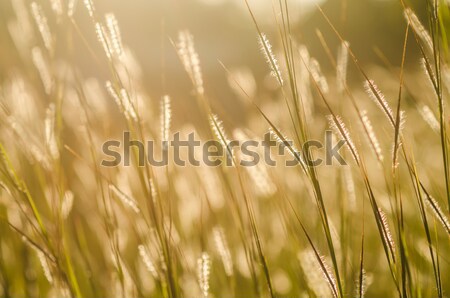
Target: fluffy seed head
319,78
90,7
203,273
166,116
361,288
318,275
375,145
398,142
42,24
438,213
67,204
50,136
217,127
378,97
103,39
419,29
339,128
350,188
57,7
115,37
128,201
342,64
428,72
189,58
147,261
128,107
429,117
71,5
43,69
45,266
223,250
266,48
386,231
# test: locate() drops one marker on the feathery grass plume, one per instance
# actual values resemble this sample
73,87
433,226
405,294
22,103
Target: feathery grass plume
399,140
154,250
378,97
217,127
257,172
103,39
189,58
224,250
429,117
42,24
128,201
45,266
122,100
67,204
350,188
57,7
50,137
115,37
360,292
266,48
43,69
339,128
90,7
316,72
161,257
166,117
203,273
386,231
128,107
429,72
39,156
112,92
71,5
341,67
374,144
153,189
33,245
147,261
34,152
438,213
419,29
286,142
318,275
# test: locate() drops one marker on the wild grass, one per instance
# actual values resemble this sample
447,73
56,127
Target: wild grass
375,227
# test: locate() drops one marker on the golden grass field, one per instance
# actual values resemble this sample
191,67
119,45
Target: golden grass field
373,75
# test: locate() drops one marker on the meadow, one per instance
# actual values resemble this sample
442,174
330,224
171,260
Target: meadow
373,224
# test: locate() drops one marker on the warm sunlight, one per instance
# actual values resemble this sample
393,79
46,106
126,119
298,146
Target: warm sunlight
224,148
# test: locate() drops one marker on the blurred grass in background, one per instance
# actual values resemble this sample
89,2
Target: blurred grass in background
374,228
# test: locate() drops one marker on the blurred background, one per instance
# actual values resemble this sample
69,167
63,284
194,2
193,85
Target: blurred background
223,31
